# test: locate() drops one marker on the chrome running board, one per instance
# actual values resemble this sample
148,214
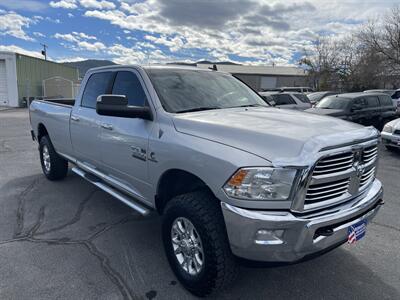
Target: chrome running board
113,192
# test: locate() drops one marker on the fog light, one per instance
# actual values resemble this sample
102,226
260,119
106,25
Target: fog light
269,237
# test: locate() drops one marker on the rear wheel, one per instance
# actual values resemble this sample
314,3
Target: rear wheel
53,165
196,243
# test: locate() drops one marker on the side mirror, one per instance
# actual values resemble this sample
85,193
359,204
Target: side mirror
117,106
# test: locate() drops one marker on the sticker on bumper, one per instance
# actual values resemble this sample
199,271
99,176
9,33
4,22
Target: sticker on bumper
356,232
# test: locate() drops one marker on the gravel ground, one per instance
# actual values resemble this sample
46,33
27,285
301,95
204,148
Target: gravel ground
69,240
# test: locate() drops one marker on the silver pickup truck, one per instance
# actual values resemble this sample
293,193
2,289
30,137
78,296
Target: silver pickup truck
231,176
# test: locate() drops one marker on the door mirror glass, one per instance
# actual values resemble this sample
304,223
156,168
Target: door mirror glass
117,106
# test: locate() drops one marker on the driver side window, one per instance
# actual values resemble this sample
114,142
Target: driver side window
126,83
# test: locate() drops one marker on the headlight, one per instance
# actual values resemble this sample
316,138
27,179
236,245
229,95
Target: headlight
261,184
388,129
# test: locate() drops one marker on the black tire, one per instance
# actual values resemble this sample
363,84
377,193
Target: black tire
58,167
203,211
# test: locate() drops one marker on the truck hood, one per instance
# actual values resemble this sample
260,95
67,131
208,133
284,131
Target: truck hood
326,112
281,136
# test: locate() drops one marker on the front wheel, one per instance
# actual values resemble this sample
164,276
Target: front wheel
53,165
196,243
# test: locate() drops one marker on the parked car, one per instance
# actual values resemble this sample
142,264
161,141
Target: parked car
231,176
364,108
298,89
396,100
391,134
318,96
287,100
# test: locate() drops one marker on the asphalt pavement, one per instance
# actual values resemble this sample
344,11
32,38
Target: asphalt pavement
70,240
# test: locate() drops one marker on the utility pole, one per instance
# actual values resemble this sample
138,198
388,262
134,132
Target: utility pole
44,51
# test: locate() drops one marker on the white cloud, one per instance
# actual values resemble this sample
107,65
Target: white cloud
84,35
97,46
38,34
174,44
13,24
103,4
70,15
67,4
29,5
70,59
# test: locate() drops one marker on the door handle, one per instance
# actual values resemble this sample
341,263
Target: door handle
74,118
107,126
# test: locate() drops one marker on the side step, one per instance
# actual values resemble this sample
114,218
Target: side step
113,192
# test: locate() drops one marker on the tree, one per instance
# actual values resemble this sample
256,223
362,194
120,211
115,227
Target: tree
383,37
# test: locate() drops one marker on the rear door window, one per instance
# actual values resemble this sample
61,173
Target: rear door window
385,100
283,99
128,84
96,85
372,101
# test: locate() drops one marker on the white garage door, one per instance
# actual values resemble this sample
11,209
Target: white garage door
3,83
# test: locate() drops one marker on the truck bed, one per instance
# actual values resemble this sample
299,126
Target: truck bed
54,115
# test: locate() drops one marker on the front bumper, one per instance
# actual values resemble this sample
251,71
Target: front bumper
277,236
390,139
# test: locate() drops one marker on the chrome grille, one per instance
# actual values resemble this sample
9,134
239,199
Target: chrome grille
367,176
333,164
369,154
338,176
396,132
326,191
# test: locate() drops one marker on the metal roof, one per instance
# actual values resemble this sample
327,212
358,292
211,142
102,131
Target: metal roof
257,70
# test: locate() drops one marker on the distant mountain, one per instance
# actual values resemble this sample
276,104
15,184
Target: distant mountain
85,65
217,62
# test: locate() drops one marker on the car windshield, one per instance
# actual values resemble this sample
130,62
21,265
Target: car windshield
333,102
191,90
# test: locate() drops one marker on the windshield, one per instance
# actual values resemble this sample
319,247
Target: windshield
191,90
333,102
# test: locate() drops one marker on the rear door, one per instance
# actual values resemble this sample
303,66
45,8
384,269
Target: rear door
387,107
125,140
373,109
85,122
359,111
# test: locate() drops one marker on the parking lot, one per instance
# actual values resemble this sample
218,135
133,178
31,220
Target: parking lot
70,240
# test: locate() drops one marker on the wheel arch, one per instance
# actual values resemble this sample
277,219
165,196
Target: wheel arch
174,182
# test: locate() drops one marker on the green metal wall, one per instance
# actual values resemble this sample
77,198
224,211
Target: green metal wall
31,71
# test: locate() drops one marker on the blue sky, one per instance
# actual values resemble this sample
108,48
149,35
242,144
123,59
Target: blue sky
159,31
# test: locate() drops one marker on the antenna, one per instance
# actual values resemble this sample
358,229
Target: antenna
44,51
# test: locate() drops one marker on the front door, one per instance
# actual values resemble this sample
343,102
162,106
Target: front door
125,140
85,122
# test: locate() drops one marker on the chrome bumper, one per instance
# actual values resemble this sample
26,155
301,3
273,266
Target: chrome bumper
284,237
390,139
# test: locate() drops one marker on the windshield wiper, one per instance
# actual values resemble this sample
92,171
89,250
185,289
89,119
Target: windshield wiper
197,109
249,105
